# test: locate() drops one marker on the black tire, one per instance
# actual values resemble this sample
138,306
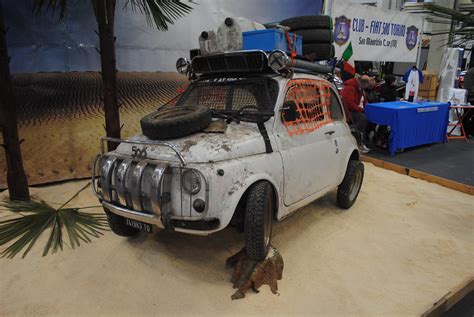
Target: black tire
308,22
349,189
322,51
315,36
175,122
259,213
118,226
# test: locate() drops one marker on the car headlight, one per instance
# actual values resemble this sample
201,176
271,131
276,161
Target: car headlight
191,182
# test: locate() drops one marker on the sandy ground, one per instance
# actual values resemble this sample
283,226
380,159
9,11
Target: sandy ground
403,245
61,118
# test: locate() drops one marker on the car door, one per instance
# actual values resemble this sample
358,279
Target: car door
339,135
304,139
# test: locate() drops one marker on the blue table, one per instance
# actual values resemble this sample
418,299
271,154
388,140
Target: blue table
411,124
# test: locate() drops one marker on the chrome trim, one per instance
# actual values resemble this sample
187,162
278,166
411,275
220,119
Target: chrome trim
106,170
94,175
120,179
131,214
134,203
136,184
155,189
206,194
144,142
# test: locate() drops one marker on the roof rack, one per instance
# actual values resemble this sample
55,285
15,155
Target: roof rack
251,61
238,61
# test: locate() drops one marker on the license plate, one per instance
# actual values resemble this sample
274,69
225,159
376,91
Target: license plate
138,225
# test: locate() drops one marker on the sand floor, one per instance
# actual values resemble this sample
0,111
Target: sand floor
403,245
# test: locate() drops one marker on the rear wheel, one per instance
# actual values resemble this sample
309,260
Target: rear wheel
259,213
118,226
349,189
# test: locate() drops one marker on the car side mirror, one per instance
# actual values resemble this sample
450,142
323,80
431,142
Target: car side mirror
288,111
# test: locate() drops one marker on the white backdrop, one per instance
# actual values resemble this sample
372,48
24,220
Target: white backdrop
375,34
42,44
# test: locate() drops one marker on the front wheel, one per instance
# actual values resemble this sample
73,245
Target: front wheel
258,220
349,189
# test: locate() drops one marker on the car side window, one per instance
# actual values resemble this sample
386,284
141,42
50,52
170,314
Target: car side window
306,105
335,108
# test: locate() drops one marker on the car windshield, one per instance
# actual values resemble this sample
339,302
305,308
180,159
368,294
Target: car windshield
246,98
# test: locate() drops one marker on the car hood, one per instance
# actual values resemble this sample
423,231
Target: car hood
238,140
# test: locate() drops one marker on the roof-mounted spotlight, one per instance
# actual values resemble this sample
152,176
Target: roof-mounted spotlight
183,65
278,60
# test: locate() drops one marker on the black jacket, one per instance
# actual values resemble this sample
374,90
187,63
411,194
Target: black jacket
388,93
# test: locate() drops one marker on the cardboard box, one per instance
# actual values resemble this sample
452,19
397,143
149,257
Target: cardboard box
430,81
427,94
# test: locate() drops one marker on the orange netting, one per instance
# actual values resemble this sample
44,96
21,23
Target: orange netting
171,102
311,99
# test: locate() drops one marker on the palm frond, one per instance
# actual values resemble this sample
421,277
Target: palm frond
51,5
35,217
159,12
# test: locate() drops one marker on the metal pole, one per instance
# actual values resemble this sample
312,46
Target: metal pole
327,7
310,66
420,44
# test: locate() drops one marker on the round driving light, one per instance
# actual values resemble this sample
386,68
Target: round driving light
278,60
182,65
191,182
199,205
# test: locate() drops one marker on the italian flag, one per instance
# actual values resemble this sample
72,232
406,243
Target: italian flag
348,64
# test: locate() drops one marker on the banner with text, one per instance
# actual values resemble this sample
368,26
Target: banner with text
375,34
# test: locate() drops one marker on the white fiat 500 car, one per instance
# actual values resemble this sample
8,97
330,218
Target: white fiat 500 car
244,145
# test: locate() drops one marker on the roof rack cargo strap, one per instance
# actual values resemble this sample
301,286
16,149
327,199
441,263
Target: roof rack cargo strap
291,47
266,139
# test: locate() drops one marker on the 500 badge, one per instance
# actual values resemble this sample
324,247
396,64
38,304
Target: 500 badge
139,152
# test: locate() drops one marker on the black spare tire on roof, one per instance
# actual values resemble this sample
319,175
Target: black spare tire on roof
315,36
308,22
321,51
175,122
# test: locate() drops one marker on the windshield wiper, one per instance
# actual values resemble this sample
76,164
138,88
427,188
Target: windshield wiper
236,116
229,117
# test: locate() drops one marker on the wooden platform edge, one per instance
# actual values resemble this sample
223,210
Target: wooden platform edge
420,175
450,299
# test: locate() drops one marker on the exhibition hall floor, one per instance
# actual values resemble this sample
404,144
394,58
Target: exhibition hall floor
403,245
452,160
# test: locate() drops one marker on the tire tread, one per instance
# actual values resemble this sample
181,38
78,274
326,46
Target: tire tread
196,120
343,191
308,22
254,220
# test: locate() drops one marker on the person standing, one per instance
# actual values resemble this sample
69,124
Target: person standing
388,90
354,102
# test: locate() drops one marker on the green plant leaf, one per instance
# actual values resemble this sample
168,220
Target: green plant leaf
159,12
33,218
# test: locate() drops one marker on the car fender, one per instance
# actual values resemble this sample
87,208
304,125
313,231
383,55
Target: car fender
351,149
229,180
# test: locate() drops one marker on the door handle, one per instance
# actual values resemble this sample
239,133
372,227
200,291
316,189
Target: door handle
329,132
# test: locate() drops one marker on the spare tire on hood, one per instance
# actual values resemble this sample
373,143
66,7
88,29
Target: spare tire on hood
175,122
